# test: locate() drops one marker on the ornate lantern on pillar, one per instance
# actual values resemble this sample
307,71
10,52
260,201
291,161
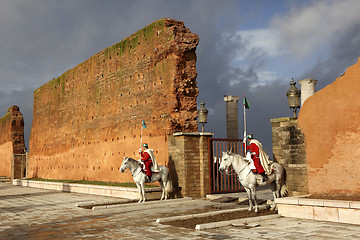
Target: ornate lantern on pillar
293,95
203,112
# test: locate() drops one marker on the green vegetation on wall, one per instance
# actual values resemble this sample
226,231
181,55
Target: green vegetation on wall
6,117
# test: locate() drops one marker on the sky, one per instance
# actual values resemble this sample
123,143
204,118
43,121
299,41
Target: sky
246,47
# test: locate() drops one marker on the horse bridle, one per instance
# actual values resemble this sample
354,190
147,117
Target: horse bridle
230,174
234,170
132,174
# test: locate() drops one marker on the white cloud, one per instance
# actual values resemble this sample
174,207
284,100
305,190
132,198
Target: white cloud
266,40
312,27
267,76
251,51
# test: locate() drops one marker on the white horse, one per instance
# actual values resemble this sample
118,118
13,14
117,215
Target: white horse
249,180
139,177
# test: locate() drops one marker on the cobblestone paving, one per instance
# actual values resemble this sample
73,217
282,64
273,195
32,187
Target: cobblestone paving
30,213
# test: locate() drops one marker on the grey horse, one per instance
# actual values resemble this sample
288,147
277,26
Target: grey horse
249,180
139,177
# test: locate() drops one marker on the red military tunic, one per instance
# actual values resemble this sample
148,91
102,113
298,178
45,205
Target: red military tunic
255,155
146,159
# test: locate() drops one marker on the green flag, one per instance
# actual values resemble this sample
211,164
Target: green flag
143,124
246,103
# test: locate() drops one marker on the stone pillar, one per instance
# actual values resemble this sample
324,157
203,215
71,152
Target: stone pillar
189,163
307,88
232,120
289,150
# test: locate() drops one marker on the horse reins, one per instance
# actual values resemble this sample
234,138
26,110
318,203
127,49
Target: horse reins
233,170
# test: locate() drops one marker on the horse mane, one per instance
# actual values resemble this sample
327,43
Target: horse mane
236,154
133,160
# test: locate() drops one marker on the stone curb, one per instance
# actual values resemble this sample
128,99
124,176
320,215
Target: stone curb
199,215
102,203
238,222
156,202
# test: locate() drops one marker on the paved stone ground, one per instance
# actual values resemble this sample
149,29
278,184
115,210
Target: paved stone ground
30,213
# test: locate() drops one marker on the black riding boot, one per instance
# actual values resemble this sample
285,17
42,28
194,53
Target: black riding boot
148,178
264,177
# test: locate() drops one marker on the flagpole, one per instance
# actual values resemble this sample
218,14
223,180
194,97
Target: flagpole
244,125
142,129
141,136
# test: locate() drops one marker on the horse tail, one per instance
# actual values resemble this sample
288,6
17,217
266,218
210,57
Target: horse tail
169,186
283,190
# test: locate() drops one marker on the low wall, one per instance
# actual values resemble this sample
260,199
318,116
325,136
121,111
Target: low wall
109,191
318,209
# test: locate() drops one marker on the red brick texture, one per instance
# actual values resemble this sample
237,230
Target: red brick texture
89,118
330,121
11,139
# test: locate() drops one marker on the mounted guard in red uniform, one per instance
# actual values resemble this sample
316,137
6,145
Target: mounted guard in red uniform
259,157
149,160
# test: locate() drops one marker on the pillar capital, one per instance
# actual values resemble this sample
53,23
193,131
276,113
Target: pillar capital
231,98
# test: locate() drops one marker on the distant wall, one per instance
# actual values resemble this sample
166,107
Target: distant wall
89,118
11,141
330,121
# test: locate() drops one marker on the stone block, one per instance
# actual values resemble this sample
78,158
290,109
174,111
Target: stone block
351,216
326,214
311,202
336,204
287,201
355,205
306,212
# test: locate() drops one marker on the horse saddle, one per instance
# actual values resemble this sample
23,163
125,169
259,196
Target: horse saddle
143,168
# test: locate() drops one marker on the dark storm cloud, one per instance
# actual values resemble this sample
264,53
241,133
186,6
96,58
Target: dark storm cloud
22,99
41,39
344,52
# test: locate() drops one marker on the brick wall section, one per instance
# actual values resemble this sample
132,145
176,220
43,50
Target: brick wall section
89,118
289,150
330,121
11,142
189,164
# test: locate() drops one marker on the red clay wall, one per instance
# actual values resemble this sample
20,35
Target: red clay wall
11,138
89,118
330,120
